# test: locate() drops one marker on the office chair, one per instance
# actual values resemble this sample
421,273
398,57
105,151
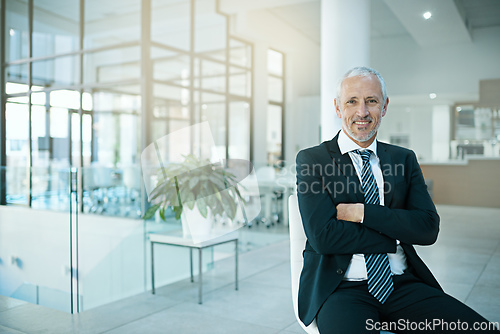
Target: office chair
266,177
297,245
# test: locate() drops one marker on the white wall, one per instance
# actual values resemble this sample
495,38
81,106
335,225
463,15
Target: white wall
441,133
443,69
414,121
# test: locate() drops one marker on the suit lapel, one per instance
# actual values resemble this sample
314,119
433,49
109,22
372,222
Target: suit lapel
387,168
345,169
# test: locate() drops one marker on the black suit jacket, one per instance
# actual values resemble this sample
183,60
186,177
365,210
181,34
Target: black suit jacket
326,178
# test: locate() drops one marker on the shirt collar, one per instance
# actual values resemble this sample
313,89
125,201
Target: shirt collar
346,144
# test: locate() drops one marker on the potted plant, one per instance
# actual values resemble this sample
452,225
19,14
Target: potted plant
195,186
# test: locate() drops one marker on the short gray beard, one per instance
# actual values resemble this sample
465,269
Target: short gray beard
368,137
363,139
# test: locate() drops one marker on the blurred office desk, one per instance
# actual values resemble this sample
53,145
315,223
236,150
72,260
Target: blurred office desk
282,184
174,240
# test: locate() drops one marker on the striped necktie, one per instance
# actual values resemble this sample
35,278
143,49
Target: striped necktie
378,269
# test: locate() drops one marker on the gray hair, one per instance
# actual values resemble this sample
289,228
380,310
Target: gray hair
363,71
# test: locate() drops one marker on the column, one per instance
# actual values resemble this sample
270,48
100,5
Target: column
441,132
345,43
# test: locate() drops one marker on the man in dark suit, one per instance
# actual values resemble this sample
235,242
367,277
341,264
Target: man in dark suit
364,204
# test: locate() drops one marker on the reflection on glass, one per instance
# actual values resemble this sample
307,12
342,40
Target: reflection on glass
170,23
55,28
109,22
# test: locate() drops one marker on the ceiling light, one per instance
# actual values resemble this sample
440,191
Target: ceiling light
432,96
427,15
459,109
12,32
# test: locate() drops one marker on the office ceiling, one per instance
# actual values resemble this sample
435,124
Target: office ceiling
453,21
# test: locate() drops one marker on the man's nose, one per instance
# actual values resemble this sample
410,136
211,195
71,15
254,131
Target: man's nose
362,110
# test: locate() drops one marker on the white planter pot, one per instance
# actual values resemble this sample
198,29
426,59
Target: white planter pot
194,225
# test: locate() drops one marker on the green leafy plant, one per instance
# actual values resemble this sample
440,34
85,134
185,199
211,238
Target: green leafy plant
195,182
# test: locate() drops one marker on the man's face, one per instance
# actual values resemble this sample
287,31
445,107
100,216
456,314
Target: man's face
361,108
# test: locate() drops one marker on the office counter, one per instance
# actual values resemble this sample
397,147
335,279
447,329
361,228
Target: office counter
470,182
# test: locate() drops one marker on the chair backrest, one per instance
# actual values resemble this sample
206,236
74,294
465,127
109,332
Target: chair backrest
297,245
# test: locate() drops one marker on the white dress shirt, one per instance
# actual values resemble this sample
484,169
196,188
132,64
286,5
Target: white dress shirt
356,271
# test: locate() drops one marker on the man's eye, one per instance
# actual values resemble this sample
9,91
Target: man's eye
372,101
351,101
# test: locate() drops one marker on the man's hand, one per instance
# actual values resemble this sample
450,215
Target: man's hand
352,212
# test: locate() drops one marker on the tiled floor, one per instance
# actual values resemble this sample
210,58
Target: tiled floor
465,259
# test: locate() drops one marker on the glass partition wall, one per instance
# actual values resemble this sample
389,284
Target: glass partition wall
90,85
85,87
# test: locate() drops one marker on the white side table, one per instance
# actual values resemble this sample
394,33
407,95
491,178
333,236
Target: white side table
172,240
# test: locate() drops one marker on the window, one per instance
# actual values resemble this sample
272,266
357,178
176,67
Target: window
276,107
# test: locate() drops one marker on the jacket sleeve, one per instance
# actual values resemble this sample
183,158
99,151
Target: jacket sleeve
417,221
317,202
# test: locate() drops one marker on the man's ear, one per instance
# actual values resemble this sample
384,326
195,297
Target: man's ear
337,108
384,110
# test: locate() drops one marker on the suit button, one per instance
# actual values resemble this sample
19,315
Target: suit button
340,271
